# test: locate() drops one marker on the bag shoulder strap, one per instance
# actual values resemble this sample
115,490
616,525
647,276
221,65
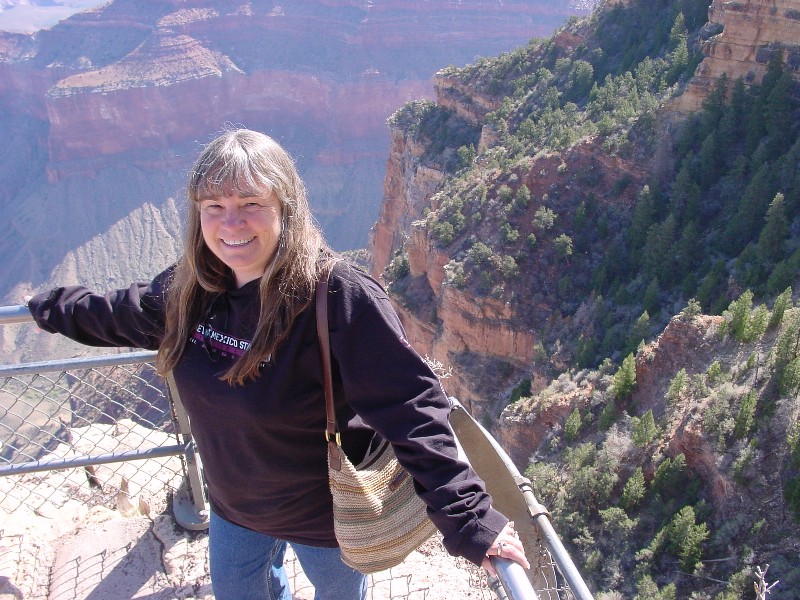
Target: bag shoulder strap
332,434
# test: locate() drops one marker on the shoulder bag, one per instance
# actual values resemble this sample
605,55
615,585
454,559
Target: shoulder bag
377,515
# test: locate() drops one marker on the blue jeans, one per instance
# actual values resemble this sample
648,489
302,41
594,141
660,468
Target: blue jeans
247,565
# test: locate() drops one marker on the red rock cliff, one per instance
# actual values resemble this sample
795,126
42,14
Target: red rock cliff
749,32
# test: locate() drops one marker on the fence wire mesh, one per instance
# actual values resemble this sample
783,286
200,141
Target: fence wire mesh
85,412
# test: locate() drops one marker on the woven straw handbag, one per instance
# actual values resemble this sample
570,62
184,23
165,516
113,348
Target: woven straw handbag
377,516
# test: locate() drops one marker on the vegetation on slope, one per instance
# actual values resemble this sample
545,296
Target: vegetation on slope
642,214
642,518
712,213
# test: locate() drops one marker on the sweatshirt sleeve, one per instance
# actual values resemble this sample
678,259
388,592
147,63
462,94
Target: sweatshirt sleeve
394,391
129,317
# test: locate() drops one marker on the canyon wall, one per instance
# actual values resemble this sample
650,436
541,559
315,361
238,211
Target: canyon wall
745,35
491,346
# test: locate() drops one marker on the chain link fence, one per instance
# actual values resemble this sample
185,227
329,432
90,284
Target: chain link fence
89,419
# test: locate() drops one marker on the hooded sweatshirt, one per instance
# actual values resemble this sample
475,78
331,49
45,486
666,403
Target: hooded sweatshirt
262,443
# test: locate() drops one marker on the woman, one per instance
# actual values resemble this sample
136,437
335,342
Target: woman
233,320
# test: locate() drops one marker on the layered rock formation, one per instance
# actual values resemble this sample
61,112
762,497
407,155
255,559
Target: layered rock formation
745,35
691,344
141,82
471,333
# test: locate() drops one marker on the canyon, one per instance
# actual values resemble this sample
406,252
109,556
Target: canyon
104,113
743,37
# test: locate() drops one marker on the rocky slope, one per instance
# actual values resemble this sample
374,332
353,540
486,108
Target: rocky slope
466,331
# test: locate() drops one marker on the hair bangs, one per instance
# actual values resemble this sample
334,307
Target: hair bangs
229,173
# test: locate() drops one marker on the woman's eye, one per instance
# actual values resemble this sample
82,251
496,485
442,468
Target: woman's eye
213,208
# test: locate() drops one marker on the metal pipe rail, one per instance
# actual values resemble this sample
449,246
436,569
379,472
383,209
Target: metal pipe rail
189,502
14,314
492,463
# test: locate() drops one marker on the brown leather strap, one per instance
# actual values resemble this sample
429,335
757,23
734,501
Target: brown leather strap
331,428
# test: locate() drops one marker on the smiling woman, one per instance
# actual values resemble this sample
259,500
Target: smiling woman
234,323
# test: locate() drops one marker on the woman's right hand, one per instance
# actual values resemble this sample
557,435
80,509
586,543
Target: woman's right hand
507,545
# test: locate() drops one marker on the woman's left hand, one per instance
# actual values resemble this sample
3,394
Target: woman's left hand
507,545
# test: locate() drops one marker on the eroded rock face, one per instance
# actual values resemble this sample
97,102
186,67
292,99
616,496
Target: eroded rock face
686,343
746,34
489,343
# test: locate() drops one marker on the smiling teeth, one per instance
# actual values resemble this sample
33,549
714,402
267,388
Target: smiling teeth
237,242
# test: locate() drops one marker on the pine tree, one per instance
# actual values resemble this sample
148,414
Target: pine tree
743,226
689,249
779,109
714,105
746,417
640,331
774,233
679,49
786,348
739,312
677,385
650,299
643,218
572,425
634,490
782,303
686,538
657,255
644,431
731,129
685,196
758,117
625,378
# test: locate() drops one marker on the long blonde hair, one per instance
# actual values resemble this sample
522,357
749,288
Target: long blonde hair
241,162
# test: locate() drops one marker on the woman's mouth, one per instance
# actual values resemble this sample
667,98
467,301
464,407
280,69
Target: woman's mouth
238,242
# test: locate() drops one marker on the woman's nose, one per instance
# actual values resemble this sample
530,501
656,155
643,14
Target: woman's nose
232,217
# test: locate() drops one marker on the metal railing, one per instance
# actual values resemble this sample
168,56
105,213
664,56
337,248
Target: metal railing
112,429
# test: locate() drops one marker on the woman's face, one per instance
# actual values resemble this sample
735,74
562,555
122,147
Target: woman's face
242,231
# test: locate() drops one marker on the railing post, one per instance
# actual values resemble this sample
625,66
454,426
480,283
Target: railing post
190,504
